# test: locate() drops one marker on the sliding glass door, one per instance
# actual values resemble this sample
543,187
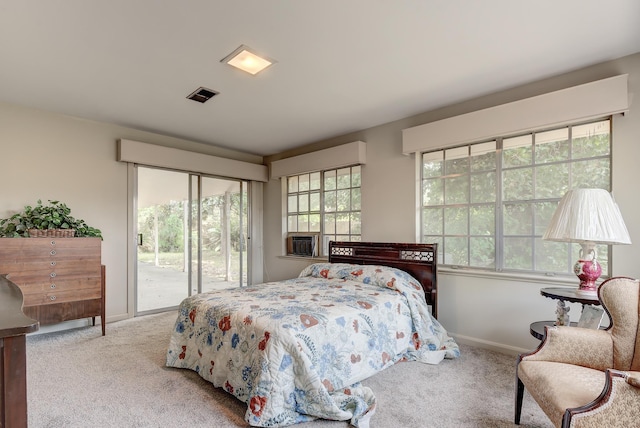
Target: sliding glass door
219,237
191,236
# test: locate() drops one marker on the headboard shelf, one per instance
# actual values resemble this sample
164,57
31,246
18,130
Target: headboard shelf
419,260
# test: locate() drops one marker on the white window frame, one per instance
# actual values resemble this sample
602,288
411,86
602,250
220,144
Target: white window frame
325,232
570,250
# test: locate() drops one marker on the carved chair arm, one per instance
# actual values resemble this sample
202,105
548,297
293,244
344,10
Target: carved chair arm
617,405
573,345
633,378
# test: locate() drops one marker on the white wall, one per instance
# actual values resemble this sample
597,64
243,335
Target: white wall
50,156
493,311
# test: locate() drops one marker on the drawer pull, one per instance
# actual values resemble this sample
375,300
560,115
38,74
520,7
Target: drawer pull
52,252
53,242
52,286
52,274
53,263
52,298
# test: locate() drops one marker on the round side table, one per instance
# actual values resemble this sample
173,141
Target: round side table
562,294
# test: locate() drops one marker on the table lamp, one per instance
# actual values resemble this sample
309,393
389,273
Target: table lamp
588,217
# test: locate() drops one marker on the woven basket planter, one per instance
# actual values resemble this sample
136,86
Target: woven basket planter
51,233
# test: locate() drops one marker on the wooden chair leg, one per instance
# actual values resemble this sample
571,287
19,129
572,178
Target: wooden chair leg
519,396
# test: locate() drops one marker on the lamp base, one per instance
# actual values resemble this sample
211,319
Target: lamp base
587,292
588,271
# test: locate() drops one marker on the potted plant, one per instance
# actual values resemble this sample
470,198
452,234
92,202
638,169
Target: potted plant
52,219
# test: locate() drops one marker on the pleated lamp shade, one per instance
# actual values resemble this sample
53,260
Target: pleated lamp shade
587,215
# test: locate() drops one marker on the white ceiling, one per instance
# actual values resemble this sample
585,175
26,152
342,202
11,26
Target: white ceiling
343,65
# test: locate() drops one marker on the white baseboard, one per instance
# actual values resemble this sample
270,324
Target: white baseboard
114,318
79,323
67,325
485,344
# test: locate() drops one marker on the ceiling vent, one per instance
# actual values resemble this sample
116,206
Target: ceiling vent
202,95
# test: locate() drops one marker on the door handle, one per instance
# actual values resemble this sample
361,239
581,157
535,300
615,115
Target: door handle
139,238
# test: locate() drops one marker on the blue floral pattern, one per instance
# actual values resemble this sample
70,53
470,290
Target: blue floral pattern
297,350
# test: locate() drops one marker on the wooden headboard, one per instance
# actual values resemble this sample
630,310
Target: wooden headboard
419,260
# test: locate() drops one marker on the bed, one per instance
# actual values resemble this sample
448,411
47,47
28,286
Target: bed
297,350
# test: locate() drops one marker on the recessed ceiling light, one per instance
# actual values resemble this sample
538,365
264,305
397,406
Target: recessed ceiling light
247,60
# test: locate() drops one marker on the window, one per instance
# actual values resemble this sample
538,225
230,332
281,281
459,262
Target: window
488,204
325,203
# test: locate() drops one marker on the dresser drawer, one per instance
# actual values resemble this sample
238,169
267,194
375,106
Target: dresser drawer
30,249
44,272
60,285
61,297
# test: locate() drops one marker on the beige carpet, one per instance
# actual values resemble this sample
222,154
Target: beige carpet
79,379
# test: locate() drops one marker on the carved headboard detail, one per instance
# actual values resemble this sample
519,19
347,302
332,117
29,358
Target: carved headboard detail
419,260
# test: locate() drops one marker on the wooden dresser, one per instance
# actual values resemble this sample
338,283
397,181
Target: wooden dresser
61,279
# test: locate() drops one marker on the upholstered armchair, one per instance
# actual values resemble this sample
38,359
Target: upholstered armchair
586,377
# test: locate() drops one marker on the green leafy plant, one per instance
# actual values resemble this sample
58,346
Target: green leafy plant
54,215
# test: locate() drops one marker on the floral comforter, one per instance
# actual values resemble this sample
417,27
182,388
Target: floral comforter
296,350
